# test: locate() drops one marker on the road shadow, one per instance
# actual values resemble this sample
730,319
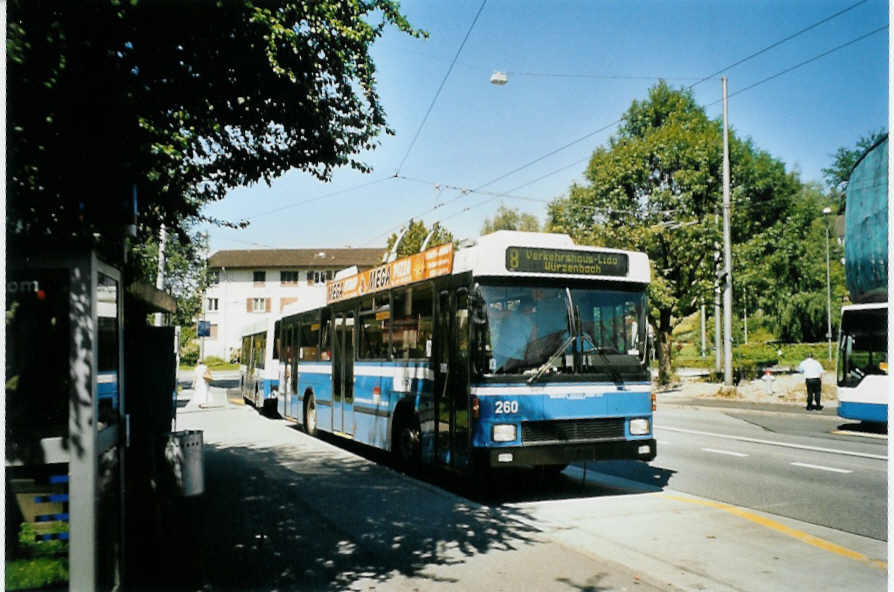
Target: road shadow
286,519
510,486
864,427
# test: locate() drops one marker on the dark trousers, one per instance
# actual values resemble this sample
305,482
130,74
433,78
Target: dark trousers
814,388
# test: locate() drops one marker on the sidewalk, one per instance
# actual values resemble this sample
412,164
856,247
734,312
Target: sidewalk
784,393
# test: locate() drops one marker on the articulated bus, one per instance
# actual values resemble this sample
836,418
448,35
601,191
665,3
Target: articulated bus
520,350
259,366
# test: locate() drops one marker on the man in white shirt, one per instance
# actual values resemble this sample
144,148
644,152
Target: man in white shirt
813,376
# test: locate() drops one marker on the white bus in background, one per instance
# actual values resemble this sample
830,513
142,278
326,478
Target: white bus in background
863,342
259,365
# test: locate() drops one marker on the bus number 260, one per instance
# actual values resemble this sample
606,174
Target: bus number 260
506,407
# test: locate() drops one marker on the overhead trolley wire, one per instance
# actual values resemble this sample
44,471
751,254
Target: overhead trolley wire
319,197
749,87
804,63
780,42
614,123
441,87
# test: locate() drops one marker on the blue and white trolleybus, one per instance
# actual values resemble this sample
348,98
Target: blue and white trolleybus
523,349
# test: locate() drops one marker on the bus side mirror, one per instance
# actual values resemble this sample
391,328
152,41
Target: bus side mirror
477,308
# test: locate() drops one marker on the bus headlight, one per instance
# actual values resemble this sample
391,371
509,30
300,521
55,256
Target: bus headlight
503,432
639,426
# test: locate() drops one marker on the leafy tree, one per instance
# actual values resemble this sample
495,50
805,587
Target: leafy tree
784,270
184,272
183,101
510,219
657,188
844,160
412,239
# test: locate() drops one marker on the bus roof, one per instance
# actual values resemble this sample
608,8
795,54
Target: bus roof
503,253
538,254
256,326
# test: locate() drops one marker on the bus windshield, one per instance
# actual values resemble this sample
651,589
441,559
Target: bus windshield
578,330
863,346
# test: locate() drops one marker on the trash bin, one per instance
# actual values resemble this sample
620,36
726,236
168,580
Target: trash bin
184,456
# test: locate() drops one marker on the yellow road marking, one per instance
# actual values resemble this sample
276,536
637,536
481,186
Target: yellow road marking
794,533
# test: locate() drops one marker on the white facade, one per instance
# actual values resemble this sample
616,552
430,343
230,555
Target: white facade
255,285
239,298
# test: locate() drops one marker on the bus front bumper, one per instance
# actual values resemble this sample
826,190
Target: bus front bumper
559,454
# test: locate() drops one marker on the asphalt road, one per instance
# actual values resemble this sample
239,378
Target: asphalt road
795,465
289,512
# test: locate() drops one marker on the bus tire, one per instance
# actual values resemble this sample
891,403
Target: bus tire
270,407
310,415
407,443
554,469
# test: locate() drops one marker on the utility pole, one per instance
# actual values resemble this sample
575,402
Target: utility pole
160,276
702,324
727,255
718,329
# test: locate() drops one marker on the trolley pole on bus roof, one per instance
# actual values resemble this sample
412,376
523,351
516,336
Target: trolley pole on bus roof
727,269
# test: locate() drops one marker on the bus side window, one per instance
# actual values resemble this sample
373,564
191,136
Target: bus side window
411,322
310,340
373,329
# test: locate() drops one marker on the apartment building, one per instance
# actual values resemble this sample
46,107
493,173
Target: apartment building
256,284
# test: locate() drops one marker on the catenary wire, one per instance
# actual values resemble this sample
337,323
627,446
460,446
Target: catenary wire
612,124
749,87
441,87
780,42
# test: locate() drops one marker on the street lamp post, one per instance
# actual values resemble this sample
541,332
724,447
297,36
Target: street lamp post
826,212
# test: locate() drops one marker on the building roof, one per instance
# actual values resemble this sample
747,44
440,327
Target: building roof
303,258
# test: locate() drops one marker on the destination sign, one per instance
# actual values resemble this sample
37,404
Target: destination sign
434,262
562,261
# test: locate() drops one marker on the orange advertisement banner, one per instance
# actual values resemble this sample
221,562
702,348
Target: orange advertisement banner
433,262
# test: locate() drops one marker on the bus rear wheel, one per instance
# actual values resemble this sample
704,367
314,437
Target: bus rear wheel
310,415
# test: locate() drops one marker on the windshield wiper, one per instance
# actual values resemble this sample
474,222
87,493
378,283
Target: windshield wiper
552,360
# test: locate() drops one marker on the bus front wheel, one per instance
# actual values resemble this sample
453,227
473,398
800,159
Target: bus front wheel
408,444
310,416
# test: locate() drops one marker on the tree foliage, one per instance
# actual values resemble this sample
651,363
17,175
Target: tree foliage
844,159
184,271
510,219
783,270
185,101
416,232
657,188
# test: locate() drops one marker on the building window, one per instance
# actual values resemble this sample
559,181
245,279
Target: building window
284,302
213,277
213,334
288,278
257,305
319,277
259,278
212,305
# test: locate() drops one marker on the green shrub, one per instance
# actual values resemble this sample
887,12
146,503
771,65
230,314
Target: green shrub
41,572
40,564
214,362
189,356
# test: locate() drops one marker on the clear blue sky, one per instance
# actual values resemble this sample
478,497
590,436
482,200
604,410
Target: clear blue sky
574,66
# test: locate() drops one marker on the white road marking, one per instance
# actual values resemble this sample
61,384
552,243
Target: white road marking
730,453
774,443
821,468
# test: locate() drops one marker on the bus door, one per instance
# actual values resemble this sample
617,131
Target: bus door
441,366
343,373
451,378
